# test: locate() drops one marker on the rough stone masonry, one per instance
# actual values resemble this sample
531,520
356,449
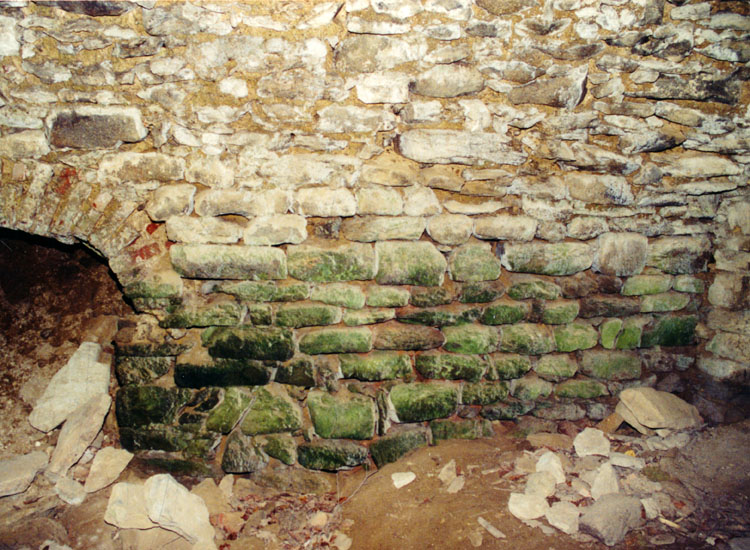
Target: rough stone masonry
352,228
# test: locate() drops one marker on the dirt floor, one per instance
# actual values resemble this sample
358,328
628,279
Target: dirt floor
49,295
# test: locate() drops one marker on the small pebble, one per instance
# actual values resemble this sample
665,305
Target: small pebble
401,479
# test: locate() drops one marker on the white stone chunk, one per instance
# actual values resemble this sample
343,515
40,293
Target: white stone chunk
166,66
550,462
456,485
383,87
564,516
398,9
17,472
9,44
320,15
127,507
452,146
173,507
526,507
108,464
605,481
349,118
420,201
401,479
591,442
541,484
187,229
505,227
623,460
170,200
277,229
26,144
80,379
379,200
658,409
421,111
450,229
70,491
211,172
325,202
236,87
484,207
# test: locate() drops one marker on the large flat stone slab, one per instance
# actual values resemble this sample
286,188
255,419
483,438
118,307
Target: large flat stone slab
17,473
457,147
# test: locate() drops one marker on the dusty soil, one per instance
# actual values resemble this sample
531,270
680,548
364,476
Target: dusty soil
50,294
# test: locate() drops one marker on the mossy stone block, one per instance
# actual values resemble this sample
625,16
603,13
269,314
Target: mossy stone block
560,312
336,340
484,393
439,316
297,372
400,336
508,410
630,337
220,314
671,331
450,366
609,306
217,261
387,296
668,301
306,314
640,285
331,455
430,296
377,365
688,283
271,411
259,315
611,365
152,290
531,388
474,263
547,258
581,389
247,342
368,316
505,312
224,417
575,336
324,265
609,330
158,437
343,415
409,263
468,428
470,339
262,291
393,446
555,367
507,366
141,370
280,446
189,373
481,292
242,455
526,338
418,402
138,406
178,466
538,289
339,294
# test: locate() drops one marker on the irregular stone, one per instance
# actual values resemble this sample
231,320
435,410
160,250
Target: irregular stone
383,296
300,314
424,401
384,87
370,53
450,229
143,405
509,410
527,507
611,365
725,370
139,167
398,336
688,283
218,202
216,313
170,200
621,254
600,189
729,290
457,147
202,230
342,263
417,263
449,81
331,455
505,227
530,388
586,227
523,289
70,491
678,255
317,201
605,482
540,484
581,389
430,296
25,144
9,44
609,306
666,301
242,454
342,415
127,507
505,312
381,228
439,316
282,447
349,296
722,90
481,292
657,409
225,416
141,370
19,471
450,366
349,118
393,446
484,393
470,339
332,340
207,261
377,365
81,378
473,263
95,127
421,201
107,466
550,463
611,517
247,342
561,91
560,312
468,428
640,285
276,229
564,516
391,170
547,259
591,442
506,366
526,338
197,369
378,200
555,367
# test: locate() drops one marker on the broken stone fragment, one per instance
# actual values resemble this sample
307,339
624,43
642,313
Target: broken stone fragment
525,507
95,127
107,466
591,442
611,518
560,91
656,409
17,472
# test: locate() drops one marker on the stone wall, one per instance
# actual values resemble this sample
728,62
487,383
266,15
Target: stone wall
354,227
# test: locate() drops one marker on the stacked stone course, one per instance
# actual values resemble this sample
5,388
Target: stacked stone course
350,228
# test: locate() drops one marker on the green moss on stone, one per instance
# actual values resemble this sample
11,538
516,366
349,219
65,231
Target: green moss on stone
387,296
400,336
259,315
575,336
331,455
336,340
560,312
220,314
297,372
547,258
393,446
671,331
251,342
688,283
509,410
221,372
368,316
469,428
555,367
668,301
339,294
272,411
640,285
439,316
583,389
430,296
534,288
470,339
418,402
474,263
378,365
143,405
224,417
505,312
484,393
481,292
302,314
506,366
609,330
159,437
178,466
242,455
611,365
149,290
322,265
141,370
219,261
342,416
281,447
266,291
630,337
531,388
450,366
409,263
526,338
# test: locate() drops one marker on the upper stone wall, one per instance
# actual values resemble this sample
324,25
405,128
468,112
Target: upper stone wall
237,162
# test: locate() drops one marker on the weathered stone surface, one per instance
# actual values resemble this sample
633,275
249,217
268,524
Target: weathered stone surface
325,202
82,377
300,314
140,167
143,405
530,287
473,263
9,44
439,316
527,507
730,346
398,336
449,81
484,393
342,263
202,230
342,415
339,294
467,428
677,255
560,91
670,331
470,339
384,296
657,409
95,127
396,444
621,254
456,147
450,229
600,189
506,366
242,455
481,292
424,401
547,259
666,301
382,201
384,87
277,229
688,283
26,144
611,365
723,90
604,482
247,342
271,411
640,285
609,306
575,336
107,466
225,416
430,296
611,517
381,228
343,340
378,365
564,516
19,471
502,312
217,202
450,366
581,389
370,53
505,227
725,370
170,200
228,262
555,367
418,263
530,388
331,455
527,338
560,312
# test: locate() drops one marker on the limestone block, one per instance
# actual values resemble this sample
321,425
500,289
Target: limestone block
417,263
456,147
17,472
677,255
418,402
216,261
275,229
187,229
140,167
600,189
450,229
547,259
25,144
325,202
449,81
561,91
505,227
379,200
217,202
341,263
382,228
343,415
621,254
170,200
473,263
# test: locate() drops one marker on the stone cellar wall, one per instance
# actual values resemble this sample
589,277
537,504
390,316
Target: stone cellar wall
352,228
